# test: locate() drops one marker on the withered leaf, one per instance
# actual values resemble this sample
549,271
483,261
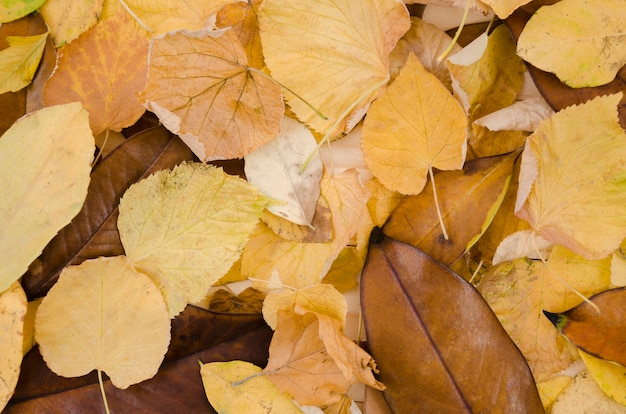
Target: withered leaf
437,344
93,232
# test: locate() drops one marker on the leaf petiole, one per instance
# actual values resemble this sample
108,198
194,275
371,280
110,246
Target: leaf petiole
104,396
457,34
134,16
432,181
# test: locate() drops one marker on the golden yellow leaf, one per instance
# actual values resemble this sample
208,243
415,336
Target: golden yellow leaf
321,298
572,187
103,315
186,227
236,387
104,69
12,313
550,389
333,54
414,126
46,162
220,108
503,8
20,60
163,16
583,43
345,270
520,290
610,377
242,17
13,10
67,19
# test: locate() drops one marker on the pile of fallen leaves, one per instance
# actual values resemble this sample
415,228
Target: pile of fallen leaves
304,165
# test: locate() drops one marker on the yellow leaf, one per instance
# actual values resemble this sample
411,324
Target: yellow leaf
12,313
584,396
104,69
186,227
13,10
503,8
237,387
321,298
220,107
520,290
582,42
333,54
242,17
67,19
610,377
572,187
345,270
163,16
549,390
414,126
20,60
44,177
103,315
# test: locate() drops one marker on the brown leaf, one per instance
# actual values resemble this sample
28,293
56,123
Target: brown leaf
437,344
197,334
600,332
93,232
469,199
556,93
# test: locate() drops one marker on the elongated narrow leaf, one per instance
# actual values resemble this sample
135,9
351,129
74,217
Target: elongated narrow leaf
600,332
44,178
469,200
93,232
437,344
13,10
12,312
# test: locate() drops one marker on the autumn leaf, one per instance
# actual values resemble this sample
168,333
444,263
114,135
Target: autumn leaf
610,377
600,330
336,67
12,313
186,227
518,291
237,387
242,17
584,46
572,178
163,16
20,60
14,10
503,8
68,19
103,315
584,395
416,125
276,169
220,108
104,69
58,141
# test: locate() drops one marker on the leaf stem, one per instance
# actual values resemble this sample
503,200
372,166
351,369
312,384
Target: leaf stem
134,16
432,181
565,282
457,34
99,154
104,396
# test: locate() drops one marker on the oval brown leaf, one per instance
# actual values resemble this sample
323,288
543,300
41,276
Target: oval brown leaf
555,92
438,346
600,332
469,199
93,232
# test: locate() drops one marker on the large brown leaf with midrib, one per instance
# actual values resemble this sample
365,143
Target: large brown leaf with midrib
197,335
93,232
438,346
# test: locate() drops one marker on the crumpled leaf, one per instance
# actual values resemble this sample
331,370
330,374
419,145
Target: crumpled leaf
14,10
414,126
351,54
583,44
163,16
572,178
20,60
610,377
104,315
187,246
275,168
236,387
600,332
104,69
313,361
518,291
432,336
12,313
67,19
321,298
93,231
37,202
221,108
479,188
